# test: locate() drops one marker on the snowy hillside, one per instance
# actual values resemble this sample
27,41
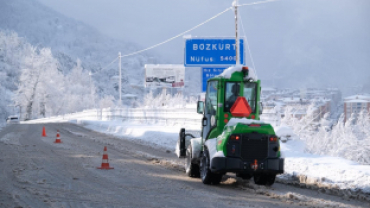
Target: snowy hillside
70,39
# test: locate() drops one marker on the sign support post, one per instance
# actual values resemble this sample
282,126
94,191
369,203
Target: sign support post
120,79
236,33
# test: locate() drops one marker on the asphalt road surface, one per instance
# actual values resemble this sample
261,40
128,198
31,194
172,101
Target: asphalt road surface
35,172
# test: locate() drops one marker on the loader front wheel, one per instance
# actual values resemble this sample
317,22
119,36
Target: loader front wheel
205,172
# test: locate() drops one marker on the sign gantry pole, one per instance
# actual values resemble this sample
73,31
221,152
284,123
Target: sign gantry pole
120,79
236,33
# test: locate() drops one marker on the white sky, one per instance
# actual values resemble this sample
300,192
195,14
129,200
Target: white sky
148,22
291,34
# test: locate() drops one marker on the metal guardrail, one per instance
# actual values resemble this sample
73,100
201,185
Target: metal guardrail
167,116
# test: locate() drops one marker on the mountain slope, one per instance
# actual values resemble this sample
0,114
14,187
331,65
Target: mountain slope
70,39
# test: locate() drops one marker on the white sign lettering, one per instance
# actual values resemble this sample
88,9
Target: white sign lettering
214,47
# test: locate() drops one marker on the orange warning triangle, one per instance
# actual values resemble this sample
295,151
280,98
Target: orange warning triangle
241,108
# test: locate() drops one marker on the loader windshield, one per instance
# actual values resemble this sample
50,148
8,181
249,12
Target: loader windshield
250,94
233,91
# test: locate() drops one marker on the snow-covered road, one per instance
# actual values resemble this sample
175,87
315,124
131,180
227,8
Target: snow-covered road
35,172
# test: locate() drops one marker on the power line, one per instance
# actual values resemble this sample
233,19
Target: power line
245,34
179,35
106,66
249,50
193,28
258,2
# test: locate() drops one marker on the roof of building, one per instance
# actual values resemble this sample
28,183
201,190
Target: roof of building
357,97
291,99
357,101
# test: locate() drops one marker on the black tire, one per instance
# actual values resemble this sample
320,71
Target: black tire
205,172
245,176
270,179
191,169
259,179
216,178
264,179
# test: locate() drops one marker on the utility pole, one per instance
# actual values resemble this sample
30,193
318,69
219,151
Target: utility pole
120,79
91,91
236,33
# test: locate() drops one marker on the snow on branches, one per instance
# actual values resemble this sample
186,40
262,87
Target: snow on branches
350,139
31,76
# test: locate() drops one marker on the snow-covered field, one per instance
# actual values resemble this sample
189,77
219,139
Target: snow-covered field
303,168
159,135
323,171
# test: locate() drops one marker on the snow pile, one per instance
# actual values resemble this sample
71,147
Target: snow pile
227,73
285,133
167,100
327,171
234,121
157,135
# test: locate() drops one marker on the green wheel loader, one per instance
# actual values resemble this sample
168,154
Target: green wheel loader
233,139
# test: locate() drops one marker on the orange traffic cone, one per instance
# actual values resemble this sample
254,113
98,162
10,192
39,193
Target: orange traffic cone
105,163
58,140
43,132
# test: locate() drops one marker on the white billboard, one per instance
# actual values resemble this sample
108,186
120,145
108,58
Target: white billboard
164,75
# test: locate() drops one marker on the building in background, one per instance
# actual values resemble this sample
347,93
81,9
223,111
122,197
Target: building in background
355,104
298,102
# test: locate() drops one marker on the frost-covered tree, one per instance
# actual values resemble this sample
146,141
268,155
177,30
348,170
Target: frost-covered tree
348,140
34,81
325,122
40,82
80,90
11,51
107,102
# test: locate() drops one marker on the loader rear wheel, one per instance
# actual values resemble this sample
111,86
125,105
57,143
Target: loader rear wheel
259,179
191,169
270,179
216,178
264,179
245,176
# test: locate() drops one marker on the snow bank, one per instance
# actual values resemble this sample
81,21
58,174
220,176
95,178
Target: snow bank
246,121
160,136
285,133
330,171
283,130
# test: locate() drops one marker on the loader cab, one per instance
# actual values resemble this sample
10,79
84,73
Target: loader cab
233,90
221,95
